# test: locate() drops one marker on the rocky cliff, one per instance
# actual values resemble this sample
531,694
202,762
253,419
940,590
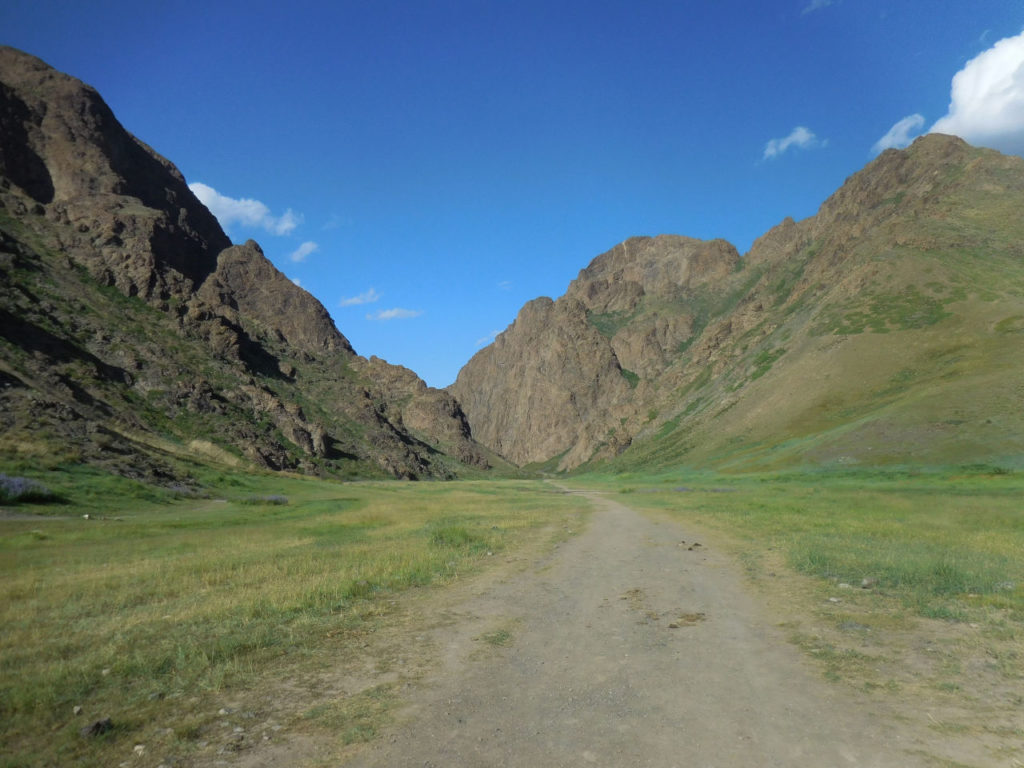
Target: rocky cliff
876,331
135,335
560,380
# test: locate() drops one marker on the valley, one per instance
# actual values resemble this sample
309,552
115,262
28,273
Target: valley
705,507
291,620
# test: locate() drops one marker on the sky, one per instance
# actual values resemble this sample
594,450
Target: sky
424,168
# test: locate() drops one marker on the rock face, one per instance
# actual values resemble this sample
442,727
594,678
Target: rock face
245,288
875,331
133,332
561,380
535,391
422,410
127,214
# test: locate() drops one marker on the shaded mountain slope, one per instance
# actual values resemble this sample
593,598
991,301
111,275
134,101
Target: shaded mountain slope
132,332
886,328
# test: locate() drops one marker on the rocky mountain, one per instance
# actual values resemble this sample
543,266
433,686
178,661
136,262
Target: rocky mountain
563,377
887,328
134,335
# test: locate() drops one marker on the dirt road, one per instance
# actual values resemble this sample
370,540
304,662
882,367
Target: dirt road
628,648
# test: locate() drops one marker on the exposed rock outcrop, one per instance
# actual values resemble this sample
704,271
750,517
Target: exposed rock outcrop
127,214
423,410
560,381
247,290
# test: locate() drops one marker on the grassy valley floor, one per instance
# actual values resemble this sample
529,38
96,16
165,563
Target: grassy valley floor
198,622
289,617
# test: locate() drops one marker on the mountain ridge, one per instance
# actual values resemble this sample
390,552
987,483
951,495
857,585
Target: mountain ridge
137,337
691,354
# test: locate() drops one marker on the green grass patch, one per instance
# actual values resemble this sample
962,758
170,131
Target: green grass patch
500,637
1012,324
631,378
908,309
357,718
609,323
764,361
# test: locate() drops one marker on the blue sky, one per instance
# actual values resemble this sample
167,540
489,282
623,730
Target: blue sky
425,168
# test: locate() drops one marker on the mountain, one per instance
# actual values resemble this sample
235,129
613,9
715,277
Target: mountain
136,336
888,328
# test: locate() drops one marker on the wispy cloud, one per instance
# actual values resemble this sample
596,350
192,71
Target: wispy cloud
338,221
505,285
800,137
303,251
297,281
487,339
394,314
899,135
244,211
816,5
367,297
987,98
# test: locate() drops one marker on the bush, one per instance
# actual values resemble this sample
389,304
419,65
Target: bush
273,500
22,490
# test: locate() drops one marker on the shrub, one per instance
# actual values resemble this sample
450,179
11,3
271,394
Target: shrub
273,500
22,490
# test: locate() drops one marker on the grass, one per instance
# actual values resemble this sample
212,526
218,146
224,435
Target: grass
947,544
631,378
166,603
160,604
884,312
499,637
358,718
764,361
609,323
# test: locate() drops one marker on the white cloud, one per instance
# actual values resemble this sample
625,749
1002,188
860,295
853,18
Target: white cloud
899,135
244,211
303,251
394,314
799,137
488,338
987,98
288,221
368,297
816,5
297,281
505,285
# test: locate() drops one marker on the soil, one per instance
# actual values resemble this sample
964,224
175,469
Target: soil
630,645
